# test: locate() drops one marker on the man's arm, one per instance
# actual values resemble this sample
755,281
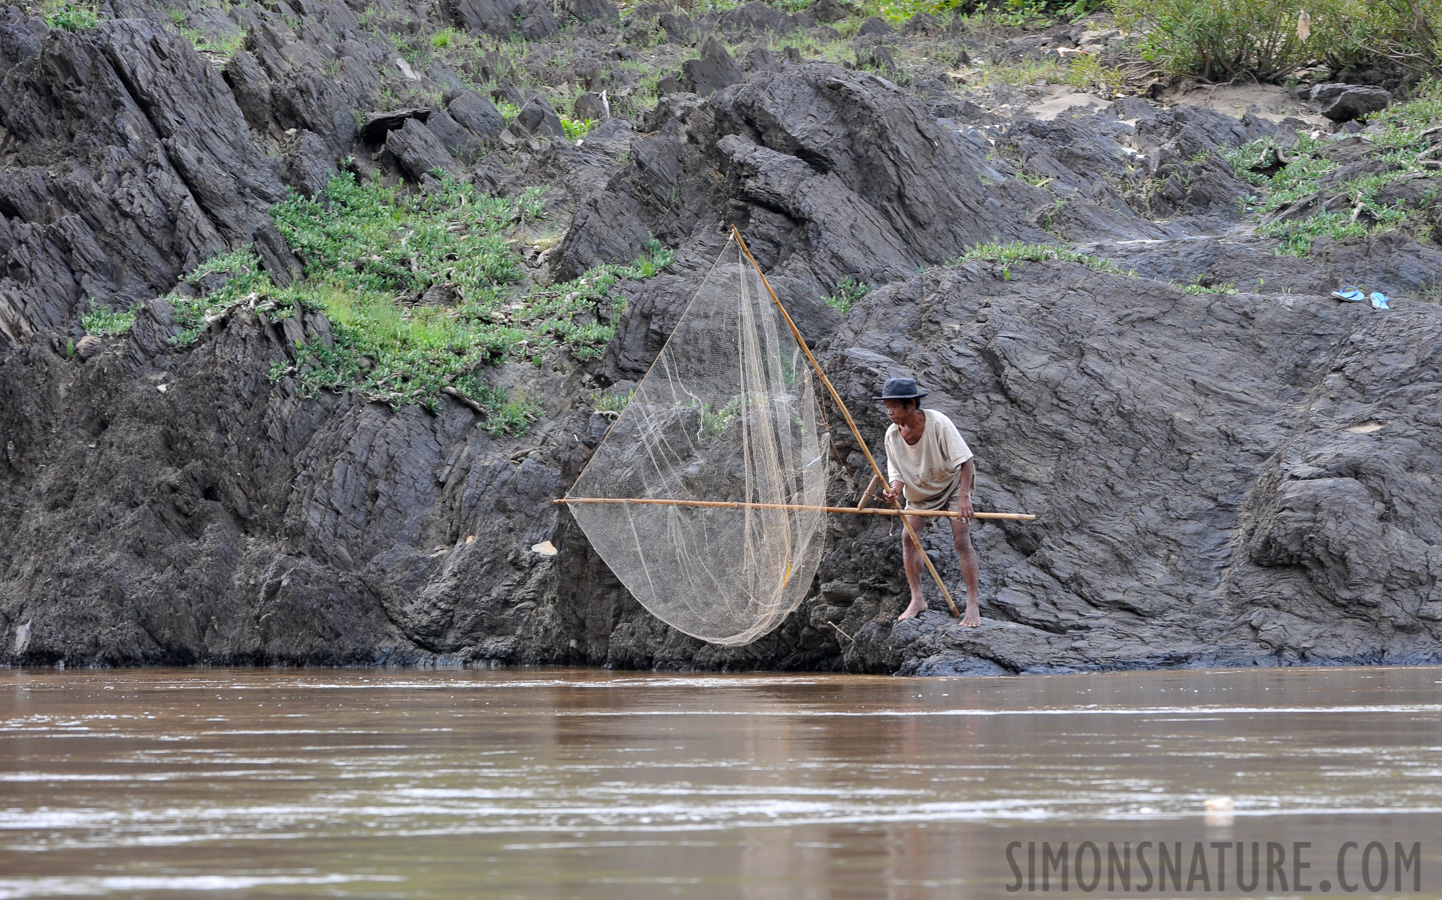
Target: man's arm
968,481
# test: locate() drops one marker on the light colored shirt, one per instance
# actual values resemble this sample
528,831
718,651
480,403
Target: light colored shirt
930,466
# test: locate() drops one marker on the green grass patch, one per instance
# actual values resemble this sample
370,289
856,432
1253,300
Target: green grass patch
67,15
374,253
1401,144
223,47
1199,288
1228,39
848,293
612,405
100,320
577,128
1016,253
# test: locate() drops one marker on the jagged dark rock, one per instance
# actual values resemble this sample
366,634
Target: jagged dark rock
478,115
377,127
715,69
1354,102
419,152
537,117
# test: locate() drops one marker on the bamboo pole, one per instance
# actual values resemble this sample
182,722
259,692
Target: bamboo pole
871,487
796,507
796,332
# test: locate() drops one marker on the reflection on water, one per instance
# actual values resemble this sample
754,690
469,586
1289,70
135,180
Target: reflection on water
564,783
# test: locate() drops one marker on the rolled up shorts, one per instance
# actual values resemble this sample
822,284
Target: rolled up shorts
943,500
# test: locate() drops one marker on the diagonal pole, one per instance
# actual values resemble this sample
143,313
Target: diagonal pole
851,423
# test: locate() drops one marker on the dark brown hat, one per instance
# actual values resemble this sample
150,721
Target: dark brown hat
901,389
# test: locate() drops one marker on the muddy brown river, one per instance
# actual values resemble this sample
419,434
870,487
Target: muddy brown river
543,783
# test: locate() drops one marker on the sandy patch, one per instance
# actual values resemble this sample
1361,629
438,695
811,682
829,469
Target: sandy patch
1267,101
1058,98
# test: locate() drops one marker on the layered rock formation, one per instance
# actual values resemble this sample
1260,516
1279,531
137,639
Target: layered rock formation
1220,478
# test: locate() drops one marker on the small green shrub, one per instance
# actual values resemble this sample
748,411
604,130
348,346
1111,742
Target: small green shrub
612,405
1401,142
1217,39
650,262
1086,73
512,417
531,205
577,128
67,15
225,47
372,254
100,320
1014,12
1226,39
849,292
715,421
1199,288
1016,253
1021,73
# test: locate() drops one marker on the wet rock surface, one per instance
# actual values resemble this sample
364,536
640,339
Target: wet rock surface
1241,477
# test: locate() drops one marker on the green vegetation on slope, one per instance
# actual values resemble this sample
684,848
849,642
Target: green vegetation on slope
1305,205
1225,39
67,15
1017,254
422,290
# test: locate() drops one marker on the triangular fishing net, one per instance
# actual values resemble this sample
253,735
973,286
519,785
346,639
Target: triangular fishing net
727,413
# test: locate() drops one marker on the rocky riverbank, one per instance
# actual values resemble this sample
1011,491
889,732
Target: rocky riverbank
1230,466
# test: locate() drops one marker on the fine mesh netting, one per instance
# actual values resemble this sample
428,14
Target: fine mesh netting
726,413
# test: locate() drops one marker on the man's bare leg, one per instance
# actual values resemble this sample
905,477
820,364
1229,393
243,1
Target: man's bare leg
970,571
911,562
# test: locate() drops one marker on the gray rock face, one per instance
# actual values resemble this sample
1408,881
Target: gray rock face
1177,495
114,190
503,18
862,168
419,151
1354,102
537,117
478,115
1241,478
714,70
590,10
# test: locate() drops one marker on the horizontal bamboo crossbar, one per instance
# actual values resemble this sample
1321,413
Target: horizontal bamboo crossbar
730,504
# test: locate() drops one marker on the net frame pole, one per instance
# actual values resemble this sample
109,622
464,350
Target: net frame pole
850,422
795,507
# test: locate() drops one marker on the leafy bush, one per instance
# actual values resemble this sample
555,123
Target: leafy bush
373,254
1401,143
1218,39
1398,33
1087,73
1016,253
67,15
100,320
849,291
577,128
1225,39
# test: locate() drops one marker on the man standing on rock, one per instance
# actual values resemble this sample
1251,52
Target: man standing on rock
930,466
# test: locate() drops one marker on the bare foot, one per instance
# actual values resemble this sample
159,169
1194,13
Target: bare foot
972,619
916,608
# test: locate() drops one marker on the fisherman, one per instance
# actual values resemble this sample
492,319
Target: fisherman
929,465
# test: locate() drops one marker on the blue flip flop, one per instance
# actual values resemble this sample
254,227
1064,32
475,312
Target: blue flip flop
1350,293
1379,300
